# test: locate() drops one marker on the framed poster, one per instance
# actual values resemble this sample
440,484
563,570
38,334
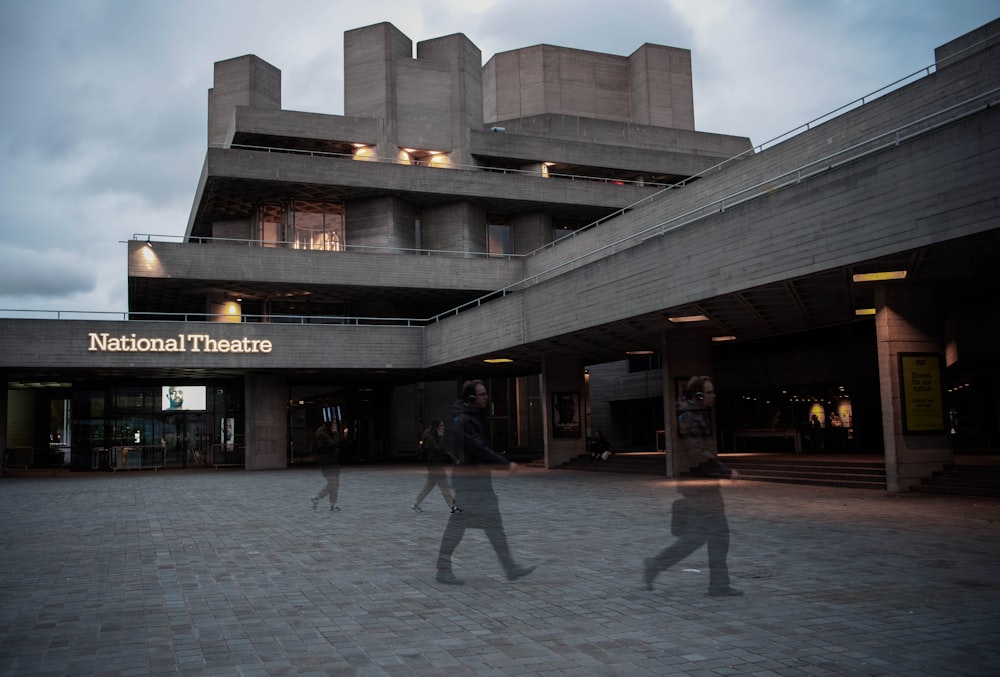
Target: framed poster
565,414
921,392
228,429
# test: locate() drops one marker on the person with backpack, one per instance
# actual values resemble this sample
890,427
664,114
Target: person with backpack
435,455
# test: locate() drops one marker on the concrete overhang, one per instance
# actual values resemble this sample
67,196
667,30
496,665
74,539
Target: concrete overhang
234,181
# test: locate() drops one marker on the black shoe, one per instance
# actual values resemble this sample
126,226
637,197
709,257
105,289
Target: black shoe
727,591
455,510
518,571
415,508
334,508
648,573
448,578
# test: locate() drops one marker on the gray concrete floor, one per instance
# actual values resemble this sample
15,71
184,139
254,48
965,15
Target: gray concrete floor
231,573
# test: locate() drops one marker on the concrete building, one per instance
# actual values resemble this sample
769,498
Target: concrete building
551,222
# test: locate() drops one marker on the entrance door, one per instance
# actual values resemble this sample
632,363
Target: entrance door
186,441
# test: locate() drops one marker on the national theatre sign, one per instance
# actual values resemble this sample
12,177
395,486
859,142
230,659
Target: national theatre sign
182,343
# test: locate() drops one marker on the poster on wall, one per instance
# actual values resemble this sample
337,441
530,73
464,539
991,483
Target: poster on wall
922,392
183,398
228,432
565,415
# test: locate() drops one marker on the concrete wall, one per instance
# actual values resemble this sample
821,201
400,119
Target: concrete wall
651,87
910,319
380,222
266,402
287,266
243,81
66,344
931,94
661,90
460,227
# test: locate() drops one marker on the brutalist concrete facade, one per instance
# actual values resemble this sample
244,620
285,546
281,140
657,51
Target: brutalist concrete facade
555,208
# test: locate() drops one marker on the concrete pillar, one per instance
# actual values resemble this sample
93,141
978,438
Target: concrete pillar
380,222
684,354
371,57
660,87
460,226
909,321
531,231
562,376
266,403
465,91
243,81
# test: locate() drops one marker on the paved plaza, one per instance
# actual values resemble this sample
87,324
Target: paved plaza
231,572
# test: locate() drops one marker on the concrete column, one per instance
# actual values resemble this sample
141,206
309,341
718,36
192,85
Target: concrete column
660,87
683,354
380,222
531,231
460,226
562,374
465,90
266,403
908,320
372,58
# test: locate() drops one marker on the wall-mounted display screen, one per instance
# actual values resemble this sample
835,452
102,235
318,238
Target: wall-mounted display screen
183,398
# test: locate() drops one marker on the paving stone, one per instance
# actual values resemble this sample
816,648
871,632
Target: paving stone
231,573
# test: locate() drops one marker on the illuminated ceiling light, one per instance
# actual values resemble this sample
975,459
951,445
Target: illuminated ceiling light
880,276
723,338
498,360
864,311
680,319
638,352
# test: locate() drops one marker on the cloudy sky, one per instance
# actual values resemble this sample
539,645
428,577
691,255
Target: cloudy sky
103,127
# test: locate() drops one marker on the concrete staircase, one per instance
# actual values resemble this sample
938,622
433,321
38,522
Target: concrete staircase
854,473
846,472
972,476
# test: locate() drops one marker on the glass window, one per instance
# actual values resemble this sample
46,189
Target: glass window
271,230
498,241
317,225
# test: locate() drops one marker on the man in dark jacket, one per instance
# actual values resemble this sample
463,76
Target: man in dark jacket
473,486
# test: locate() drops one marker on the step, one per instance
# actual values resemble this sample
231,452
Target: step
819,469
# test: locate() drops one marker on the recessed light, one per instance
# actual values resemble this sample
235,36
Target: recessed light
880,276
680,319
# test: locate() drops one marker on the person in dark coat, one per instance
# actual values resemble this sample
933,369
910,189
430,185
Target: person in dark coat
436,456
699,517
473,486
328,446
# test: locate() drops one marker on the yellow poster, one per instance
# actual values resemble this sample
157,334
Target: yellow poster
923,402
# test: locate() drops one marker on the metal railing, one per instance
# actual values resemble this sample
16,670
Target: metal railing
153,238
615,181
